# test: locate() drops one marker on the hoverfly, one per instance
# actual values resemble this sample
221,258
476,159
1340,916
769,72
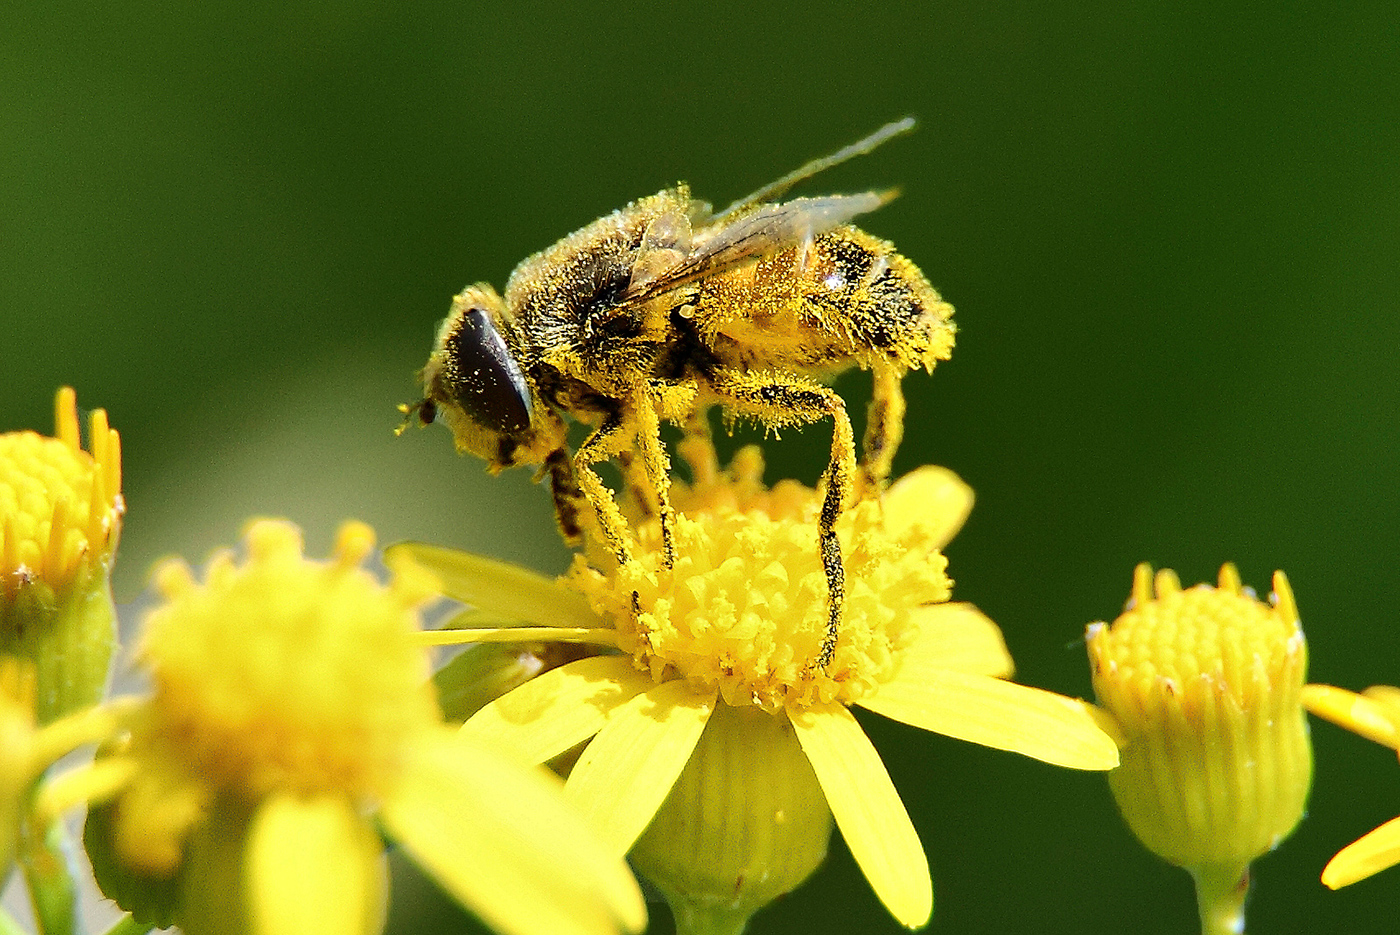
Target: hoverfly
664,309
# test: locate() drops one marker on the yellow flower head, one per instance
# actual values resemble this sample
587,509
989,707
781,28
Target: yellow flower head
1374,714
1206,685
288,675
713,733
744,608
60,518
289,704
60,504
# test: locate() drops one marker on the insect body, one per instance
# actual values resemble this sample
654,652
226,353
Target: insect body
664,309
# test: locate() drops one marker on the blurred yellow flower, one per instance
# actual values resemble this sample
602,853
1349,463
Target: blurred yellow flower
1205,686
1375,715
289,715
715,652
60,518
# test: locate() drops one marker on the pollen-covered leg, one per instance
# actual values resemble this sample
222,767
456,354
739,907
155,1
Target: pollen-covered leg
600,446
636,482
569,501
777,401
658,469
697,448
884,430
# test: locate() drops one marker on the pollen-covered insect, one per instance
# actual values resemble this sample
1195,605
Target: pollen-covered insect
664,309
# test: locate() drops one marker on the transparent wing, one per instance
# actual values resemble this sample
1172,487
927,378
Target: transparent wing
752,236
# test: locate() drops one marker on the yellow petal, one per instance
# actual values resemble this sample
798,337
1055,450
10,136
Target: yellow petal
314,865
1387,695
958,637
499,837
1369,854
997,713
932,498
564,706
1357,713
628,770
498,589
868,810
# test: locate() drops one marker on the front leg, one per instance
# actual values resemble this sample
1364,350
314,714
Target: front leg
605,442
569,500
776,401
658,468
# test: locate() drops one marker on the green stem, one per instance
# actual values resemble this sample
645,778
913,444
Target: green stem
1220,895
46,870
693,918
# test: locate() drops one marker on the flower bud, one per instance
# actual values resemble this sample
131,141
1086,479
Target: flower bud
1206,686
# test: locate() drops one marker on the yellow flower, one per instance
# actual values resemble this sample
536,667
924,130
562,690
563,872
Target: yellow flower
60,518
26,753
1205,685
1375,715
289,714
715,655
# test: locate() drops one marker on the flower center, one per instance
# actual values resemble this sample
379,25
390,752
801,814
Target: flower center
1222,634
743,609
285,673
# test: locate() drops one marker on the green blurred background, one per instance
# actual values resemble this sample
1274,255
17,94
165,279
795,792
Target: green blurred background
1170,232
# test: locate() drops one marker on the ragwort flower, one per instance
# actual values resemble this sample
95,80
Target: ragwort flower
1205,685
713,728
290,717
60,518
1375,715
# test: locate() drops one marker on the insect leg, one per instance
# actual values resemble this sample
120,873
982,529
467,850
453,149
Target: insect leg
884,429
698,447
599,446
658,469
568,498
638,484
776,400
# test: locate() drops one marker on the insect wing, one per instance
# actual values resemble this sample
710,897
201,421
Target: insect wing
755,235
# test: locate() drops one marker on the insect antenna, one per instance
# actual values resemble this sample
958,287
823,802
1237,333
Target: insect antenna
858,148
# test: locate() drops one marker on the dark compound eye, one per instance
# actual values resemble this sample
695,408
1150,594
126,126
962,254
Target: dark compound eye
486,381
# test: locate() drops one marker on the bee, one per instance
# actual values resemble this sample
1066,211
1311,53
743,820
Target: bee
664,309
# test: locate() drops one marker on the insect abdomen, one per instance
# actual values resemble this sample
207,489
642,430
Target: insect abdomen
844,299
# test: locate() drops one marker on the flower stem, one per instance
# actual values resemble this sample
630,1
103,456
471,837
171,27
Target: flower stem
1220,896
697,919
51,888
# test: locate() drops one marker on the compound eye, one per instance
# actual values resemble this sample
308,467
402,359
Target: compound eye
487,383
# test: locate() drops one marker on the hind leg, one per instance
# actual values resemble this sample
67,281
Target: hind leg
778,401
884,429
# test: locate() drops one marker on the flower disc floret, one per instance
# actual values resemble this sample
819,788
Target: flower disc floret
283,673
743,608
